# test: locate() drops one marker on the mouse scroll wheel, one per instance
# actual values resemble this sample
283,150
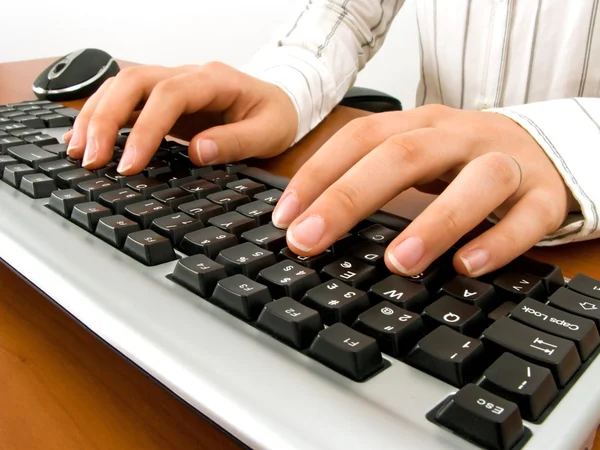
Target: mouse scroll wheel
59,67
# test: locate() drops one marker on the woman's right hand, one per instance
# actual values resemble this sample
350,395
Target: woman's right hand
235,115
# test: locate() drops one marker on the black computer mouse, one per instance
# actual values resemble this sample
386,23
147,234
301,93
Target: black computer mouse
75,76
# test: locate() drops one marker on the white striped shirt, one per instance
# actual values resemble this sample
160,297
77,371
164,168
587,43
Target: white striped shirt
536,61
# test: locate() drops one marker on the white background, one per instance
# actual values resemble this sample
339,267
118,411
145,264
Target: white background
177,32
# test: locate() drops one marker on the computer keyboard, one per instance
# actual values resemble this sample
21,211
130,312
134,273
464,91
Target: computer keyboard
181,270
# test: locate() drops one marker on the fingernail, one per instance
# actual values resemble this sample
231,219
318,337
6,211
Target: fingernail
307,233
91,150
207,151
475,260
286,211
73,143
406,255
127,159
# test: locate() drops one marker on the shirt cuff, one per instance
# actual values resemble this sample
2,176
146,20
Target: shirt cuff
568,131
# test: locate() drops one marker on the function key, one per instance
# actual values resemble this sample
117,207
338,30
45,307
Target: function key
201,209
200,188
119,199
290,322
400,291
259,211
271,197
516,287
114,229
199,274
267,237
347,351
71,178
336,302
530,386
396,330
351,271
464,318
149,248
316,262
499,424
554,321
175,226
37,185
228,199
8,142
288,279
246,258
207,241
63,201
14,173
173,197
246,187
59,150
584,285
448,355
233,222
576,303
145,212
557,354
472,291
219,177
93,188
88,214
242,296
32,155
378,234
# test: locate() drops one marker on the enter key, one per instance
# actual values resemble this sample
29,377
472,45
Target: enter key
580,330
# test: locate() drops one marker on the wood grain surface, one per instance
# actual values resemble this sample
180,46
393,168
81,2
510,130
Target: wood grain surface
63,388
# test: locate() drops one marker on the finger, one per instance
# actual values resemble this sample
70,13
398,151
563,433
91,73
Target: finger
77,138
67,137
339,154
482,186
534,216
399,163
114,108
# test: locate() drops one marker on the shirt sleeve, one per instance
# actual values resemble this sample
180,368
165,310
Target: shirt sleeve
569,132
316,58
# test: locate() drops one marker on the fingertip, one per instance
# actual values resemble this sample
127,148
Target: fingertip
206,151
407,256
473,262
128,161
67,136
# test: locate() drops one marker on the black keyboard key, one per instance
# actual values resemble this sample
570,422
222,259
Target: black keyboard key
175,226
396,330
473,292
267,237
92,189
155,168
257,210
123,180
12,114
32,155
576,303
6,160
482,417
368,253
71,113
219,177
316,262
270,197
464,318
71,178
53,168
585,285
351,271
247,259
149,247
119,199
378,234
288,279
448,355
55,120
247,187
22,132
173,197
233,222
8,142
436,274
343,244
177,178
201,209
40,139
199,274
8,125
290,322
88,214
347,351
242,296
207,241
14,173
145,212
63,201
557,354
228,199
336,302
400,291
31,122
115,229
530,386
37,185
501,311
59,150
559,323
516,286
146,186
200,188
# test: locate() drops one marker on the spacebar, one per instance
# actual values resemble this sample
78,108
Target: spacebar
557,354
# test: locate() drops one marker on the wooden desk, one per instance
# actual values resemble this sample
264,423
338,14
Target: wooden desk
62,388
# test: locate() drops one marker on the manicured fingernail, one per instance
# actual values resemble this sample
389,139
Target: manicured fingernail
73,143
127,159
207,151
286,210
406,255
307,233
475,260
91,151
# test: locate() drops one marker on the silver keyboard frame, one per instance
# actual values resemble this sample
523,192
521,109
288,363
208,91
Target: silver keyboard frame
264,393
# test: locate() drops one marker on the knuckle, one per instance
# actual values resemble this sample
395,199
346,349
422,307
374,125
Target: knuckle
407,148
167,87
452,223
543,205
501,168
346,197
361,129
130,73
434,110
213,67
